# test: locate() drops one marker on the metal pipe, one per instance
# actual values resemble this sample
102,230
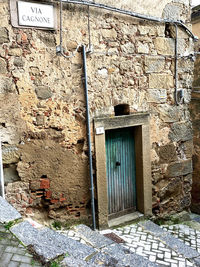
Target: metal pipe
176,65
2,192
132,14
89,136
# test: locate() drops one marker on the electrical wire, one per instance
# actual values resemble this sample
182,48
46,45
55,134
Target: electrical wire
89,34
60,47
132,14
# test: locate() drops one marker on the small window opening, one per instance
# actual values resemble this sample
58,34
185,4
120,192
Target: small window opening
122,109
169,31
44,176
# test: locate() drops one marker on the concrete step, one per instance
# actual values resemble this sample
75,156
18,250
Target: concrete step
128,218
7,212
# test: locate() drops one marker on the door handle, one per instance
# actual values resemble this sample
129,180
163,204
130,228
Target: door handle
118,163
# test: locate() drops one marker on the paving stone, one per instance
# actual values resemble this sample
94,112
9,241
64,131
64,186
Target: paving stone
93,237
13,264
7,212
50,244
21,258
25,265
5,259
15,250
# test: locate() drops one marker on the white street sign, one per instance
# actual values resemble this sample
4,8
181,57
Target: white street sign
35,15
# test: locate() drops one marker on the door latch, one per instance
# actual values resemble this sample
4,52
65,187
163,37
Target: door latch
118,163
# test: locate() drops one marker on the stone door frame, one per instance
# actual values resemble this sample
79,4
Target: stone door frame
140,122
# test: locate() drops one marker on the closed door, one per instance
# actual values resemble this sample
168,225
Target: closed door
120,163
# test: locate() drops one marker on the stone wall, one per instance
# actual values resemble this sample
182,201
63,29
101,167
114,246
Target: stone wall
42,115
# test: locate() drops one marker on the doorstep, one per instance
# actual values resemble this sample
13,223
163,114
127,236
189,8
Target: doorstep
125,219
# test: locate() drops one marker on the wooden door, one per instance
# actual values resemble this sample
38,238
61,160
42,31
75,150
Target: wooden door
121,179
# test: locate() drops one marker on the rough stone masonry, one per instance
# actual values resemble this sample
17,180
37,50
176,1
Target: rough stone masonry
42,114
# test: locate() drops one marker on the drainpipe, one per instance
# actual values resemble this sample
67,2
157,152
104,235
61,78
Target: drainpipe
1,175
89,136
176,65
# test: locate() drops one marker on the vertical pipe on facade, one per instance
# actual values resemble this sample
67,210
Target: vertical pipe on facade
1,174
61,41
89,136
176,65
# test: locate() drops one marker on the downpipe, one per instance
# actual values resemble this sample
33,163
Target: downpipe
89,134
2,192
176,66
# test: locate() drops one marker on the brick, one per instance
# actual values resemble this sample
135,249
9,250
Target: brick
48,194
44,183
62,199
54,201
30,201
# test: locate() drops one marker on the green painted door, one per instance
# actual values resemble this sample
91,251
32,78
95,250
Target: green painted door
120,163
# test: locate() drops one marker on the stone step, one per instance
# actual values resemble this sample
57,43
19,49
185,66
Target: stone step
109,253
7,212
48,244
172,242
94,238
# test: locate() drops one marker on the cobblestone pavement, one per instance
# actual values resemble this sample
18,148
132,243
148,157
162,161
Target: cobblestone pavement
142,243
12,253
138,240
189,236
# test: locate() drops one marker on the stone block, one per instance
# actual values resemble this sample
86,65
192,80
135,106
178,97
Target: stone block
143,30
128,48
157,96
179,168
169,113
40,120
161,81
165,46
10,154
4,38
3,66
49,244
154,64
181,131
15,52
43,92
18,62
172,189
94,238
7,212
167,153
187,147
172,11
109,34
6,85
143,48
10,174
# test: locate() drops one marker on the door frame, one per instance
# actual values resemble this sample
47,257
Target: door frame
140,121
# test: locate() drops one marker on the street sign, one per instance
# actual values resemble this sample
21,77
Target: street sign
35,15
